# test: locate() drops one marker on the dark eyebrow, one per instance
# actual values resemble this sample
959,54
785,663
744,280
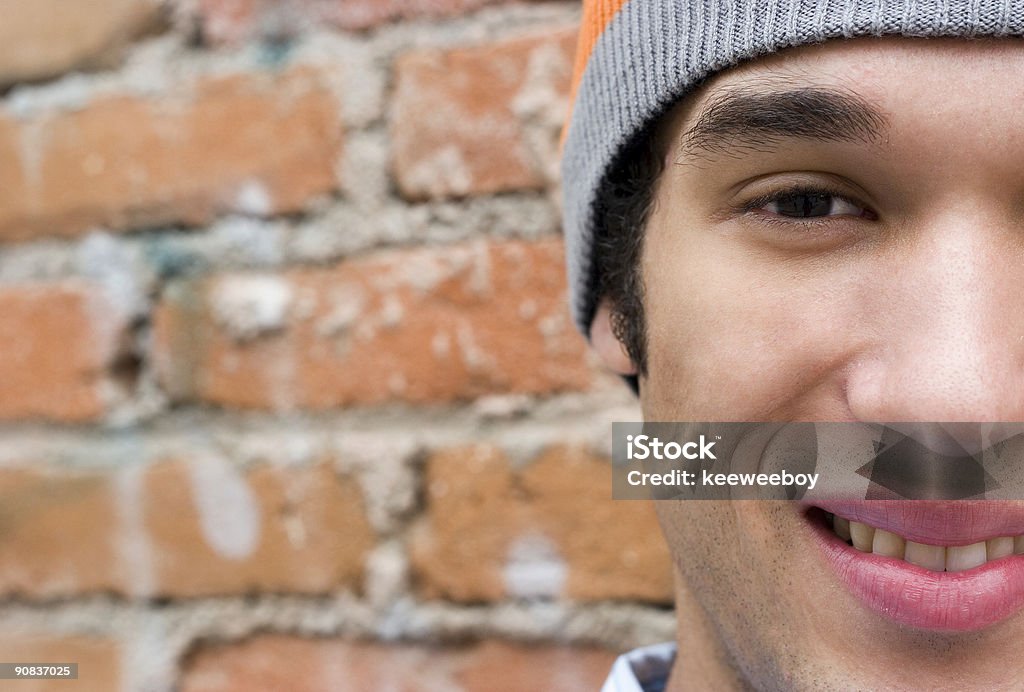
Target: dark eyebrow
758,120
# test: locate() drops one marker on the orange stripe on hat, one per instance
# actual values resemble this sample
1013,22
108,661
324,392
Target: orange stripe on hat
597,15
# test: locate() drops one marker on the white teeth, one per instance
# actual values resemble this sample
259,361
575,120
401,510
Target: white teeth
887,544
842,528
931,557
863,536
999,547
868,539
961,557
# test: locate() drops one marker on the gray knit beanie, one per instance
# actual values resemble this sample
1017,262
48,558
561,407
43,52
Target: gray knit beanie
638,57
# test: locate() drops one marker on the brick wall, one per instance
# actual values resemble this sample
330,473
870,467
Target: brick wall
291,399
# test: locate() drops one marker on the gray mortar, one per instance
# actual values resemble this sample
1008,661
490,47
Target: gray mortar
337,232
299,439
365,169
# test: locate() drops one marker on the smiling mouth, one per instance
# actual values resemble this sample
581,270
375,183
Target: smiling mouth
945,566
936,558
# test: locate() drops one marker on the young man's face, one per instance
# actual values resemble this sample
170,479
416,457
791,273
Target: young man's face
839,235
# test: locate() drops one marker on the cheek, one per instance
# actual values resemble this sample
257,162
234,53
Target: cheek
715,574
737,560
734,337
720,534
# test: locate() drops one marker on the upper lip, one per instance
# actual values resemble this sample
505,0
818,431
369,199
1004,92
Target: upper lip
946,523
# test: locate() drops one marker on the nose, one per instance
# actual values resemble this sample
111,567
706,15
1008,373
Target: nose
947,328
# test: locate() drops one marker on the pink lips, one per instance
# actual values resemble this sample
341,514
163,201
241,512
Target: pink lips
910,595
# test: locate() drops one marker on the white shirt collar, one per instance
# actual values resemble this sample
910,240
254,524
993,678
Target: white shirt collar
642,670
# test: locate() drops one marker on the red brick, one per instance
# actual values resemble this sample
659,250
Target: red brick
367,14
460,118
44,38
422,326
290,663
181,532
256,144
289,530
57,345
58,533
98,660
557,510
233,21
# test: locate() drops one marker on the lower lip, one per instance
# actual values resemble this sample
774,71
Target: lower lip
907,594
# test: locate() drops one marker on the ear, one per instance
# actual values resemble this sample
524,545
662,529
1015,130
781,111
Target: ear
606,344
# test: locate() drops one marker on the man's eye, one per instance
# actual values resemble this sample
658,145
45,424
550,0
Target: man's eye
811,205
